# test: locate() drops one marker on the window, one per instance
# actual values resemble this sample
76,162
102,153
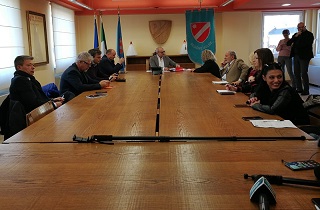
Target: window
11,42
317,36
273,25
64,37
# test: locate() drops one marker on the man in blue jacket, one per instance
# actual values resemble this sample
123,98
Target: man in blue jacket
76,81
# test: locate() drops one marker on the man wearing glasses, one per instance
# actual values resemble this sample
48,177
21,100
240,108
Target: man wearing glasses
76,81
159,59
301,52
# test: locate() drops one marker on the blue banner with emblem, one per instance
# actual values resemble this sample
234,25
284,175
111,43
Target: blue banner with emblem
200,33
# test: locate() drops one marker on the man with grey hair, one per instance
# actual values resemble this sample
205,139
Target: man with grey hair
159,59
76,81
232,69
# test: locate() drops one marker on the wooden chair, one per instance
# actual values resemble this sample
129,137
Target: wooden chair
39,112
147,64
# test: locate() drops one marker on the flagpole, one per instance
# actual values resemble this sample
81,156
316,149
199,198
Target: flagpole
95,38
119,43
102,37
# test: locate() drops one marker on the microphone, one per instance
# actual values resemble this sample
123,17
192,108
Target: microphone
279,180
262,192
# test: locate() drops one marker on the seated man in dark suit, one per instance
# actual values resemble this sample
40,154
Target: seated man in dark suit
107,65
94,72
26,89
161,60
76,81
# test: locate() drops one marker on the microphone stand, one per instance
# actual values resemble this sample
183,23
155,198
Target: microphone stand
264,202
279,180
109,138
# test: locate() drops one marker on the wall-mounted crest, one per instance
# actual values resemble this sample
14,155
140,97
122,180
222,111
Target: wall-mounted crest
160,30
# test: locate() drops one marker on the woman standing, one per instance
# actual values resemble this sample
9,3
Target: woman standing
284,56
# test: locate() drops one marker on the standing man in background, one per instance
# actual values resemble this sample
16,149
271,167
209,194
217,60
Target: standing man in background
159,59
301,52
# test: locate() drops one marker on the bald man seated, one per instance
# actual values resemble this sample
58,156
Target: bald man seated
161,60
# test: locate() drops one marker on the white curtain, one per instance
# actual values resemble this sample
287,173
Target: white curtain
64,37
11,42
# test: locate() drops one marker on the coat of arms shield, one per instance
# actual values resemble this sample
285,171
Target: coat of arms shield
160,30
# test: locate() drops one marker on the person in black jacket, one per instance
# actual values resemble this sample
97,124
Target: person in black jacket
25,88
276,96
301,52
107,65
209,65
94,72
76,81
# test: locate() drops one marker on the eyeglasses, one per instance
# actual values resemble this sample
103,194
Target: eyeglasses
89,64
162,52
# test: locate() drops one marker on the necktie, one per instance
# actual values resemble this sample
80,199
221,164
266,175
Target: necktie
227,69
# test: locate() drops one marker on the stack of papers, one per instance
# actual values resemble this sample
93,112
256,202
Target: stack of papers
273,123
220,82
176,69
226,92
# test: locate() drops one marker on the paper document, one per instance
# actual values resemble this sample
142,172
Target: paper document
220,82
226,92
273,123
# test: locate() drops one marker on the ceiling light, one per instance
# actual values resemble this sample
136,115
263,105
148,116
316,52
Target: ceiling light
81,4
226,3
285,5
315,4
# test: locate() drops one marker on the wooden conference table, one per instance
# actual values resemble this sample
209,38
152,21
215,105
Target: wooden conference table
59,174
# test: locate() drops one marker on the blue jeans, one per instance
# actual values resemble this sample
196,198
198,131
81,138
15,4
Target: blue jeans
287,61
301,71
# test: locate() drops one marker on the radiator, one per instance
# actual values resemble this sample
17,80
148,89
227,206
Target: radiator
314,75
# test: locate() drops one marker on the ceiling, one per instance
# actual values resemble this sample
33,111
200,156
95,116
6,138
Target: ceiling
179,6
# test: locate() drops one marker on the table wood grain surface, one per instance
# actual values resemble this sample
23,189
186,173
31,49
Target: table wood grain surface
176,175
129,109
150,175
190,106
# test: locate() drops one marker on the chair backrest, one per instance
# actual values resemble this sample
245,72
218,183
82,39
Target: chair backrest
39,112
4,115
147,64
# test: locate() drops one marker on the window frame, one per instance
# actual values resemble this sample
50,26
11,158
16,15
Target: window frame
317,41
264,14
